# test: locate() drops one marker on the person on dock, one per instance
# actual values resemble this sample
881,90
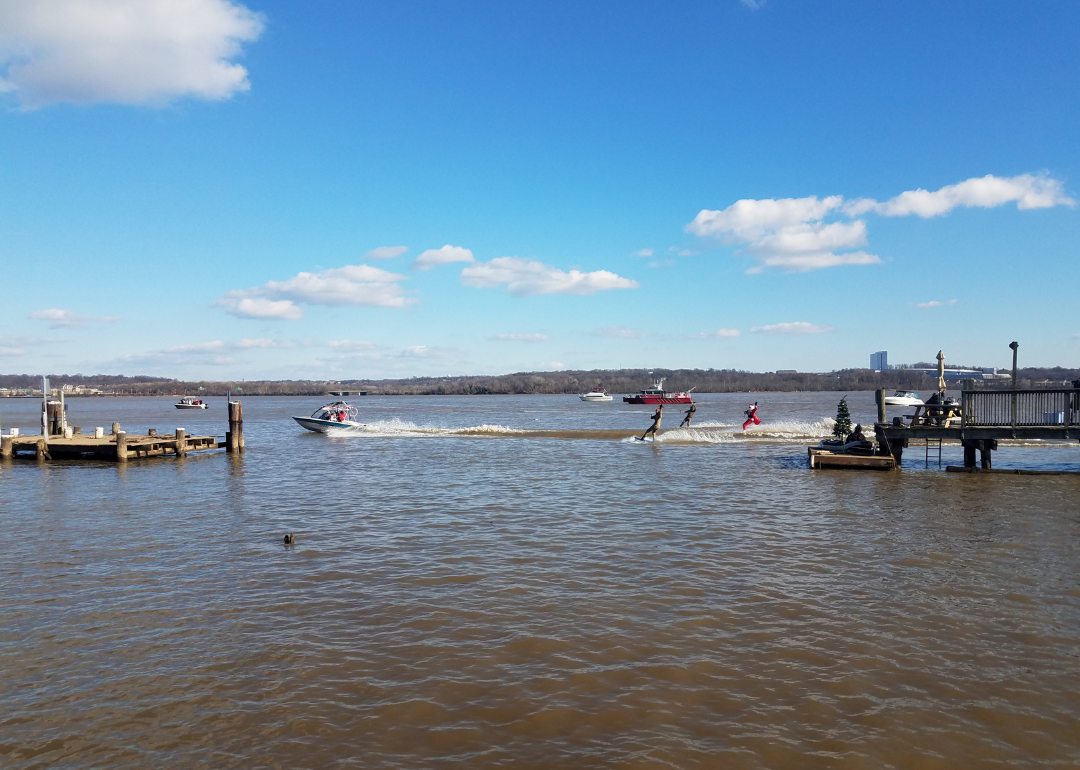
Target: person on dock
751,416
689,415
657,415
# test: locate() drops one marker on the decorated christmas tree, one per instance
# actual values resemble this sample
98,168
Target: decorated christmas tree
843,420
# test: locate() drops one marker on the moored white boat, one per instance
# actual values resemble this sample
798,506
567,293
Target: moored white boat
190,402
903,398
596,394
338,414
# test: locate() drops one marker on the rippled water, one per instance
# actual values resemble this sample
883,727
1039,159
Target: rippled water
540,592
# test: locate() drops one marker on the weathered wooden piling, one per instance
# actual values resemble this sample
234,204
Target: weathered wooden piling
234,439
115,428
121,446
6,447
879,397
54,417
181,443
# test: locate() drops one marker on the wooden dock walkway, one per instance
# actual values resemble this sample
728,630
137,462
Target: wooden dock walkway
120,446
984,418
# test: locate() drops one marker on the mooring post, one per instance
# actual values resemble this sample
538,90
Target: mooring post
121,445
55,418
880,398
115,428
235,436
181,442
969,453
7,447
41,449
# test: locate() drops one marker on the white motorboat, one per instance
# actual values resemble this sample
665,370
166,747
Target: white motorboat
190,402
596,394
335,415
903,398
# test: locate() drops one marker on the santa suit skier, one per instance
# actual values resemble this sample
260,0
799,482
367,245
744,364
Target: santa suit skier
751,416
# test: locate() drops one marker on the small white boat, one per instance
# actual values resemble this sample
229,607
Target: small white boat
336,415
190,402
903,398
596,394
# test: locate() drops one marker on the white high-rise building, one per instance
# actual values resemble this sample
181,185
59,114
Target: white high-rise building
879,361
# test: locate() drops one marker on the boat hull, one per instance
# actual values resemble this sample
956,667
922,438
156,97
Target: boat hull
324,426
894,401
595,398
190,406
658,399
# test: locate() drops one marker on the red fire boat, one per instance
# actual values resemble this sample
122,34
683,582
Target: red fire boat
657,395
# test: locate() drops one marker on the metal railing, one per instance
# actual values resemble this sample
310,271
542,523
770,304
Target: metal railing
1020,407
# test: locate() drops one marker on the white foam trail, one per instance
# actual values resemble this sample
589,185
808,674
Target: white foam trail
403,429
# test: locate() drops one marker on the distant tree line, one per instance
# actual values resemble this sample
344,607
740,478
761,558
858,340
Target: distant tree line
614,380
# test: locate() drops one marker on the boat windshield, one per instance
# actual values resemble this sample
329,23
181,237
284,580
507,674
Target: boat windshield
339,411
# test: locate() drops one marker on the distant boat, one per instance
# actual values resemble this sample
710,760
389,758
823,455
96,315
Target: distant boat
657,395
339,414
596,394
903,398
190,402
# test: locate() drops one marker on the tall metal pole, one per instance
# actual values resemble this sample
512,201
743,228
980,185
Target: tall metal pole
44,405
1014,345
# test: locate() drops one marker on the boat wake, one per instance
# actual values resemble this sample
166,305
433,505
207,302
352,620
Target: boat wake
703,433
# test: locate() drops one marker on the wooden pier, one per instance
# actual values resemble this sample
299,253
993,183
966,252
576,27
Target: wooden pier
984,418
120,446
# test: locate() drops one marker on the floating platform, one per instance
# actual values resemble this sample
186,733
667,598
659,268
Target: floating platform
823,458
119,447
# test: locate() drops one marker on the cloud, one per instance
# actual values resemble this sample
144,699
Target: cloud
658,263
718,334
621,332
212,352
525,277
515,337
123,51
753,5
795,327
1028,191
67,319
9,351
792,233
444,256
556,365
935,303
386,252
349,285
643,253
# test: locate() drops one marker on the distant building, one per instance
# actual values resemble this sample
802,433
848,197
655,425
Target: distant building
787,371
879,361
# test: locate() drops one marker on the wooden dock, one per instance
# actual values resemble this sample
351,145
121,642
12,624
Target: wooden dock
984,418
120,446
823,458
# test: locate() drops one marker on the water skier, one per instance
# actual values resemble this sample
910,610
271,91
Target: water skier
751,416
657,415
689,415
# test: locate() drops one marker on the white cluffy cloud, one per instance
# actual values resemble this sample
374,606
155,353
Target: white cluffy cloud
67,319
621,332
792,233
123,51
519,337
525,277
349,285
386,252
935,303
444,256
214,352
718,334
794,327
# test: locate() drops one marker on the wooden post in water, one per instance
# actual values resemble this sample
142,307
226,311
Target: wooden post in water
55,418
235,436
7,448
115,428
121,446
41,449
880,398
181,442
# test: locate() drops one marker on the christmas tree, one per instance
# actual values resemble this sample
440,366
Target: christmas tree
843,420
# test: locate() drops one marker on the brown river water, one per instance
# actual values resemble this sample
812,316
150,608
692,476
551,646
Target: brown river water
515,582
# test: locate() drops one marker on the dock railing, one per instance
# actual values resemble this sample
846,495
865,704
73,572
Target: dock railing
1020,407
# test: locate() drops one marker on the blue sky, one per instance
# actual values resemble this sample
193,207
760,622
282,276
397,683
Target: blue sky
210,189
